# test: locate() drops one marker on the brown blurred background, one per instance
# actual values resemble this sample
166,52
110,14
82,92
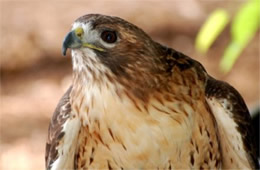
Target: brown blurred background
34,75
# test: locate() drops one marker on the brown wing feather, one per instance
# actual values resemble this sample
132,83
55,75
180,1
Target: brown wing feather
236,109
55,134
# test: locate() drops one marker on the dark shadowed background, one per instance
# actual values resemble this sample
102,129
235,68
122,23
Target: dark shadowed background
34,74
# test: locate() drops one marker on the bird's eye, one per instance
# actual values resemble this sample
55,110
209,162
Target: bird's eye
109,36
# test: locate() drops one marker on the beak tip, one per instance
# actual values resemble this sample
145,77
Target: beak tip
64,51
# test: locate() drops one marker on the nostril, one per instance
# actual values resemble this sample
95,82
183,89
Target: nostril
79,34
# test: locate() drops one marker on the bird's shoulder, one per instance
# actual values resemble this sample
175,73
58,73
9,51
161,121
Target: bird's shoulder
226,104
55,133
234,124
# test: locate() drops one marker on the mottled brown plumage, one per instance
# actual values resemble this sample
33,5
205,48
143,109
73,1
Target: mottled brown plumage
137,104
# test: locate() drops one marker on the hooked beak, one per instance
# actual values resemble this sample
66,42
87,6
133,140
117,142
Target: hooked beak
73,40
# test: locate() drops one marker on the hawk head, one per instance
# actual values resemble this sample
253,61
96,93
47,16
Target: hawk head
107,47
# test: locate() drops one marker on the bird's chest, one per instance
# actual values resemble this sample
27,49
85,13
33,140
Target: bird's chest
121,131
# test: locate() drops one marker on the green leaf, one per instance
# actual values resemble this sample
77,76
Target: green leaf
211,29
230,55
243,28
246,22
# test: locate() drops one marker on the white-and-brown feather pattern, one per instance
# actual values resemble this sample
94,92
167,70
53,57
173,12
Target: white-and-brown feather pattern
139,105
56,134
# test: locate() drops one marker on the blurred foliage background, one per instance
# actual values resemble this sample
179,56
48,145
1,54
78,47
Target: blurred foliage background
34,74
244,26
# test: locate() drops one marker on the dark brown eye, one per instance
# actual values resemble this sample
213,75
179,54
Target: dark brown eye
109,36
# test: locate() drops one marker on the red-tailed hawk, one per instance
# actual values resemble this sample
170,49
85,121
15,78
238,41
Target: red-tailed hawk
135,104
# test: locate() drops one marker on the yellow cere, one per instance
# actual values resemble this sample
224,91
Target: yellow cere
79,32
